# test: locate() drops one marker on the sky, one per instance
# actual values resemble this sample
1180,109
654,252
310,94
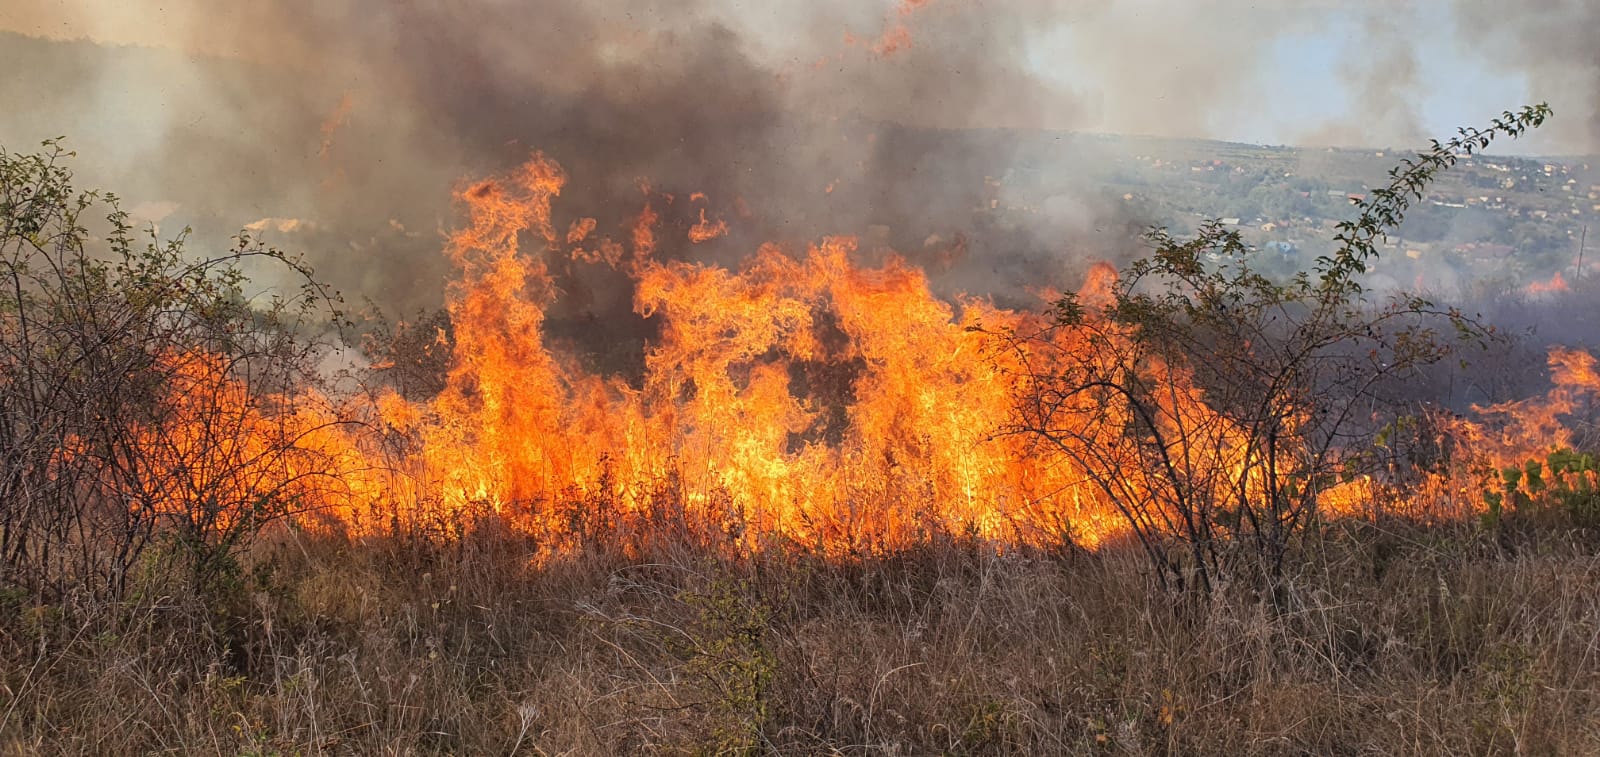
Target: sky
342,126
1291,72
1304,73
1306,85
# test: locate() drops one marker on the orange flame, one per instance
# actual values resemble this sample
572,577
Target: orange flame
705,231
896,36
1510,432
1556,283
803,398
799,397
795,398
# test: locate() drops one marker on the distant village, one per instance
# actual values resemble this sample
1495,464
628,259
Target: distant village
1491,223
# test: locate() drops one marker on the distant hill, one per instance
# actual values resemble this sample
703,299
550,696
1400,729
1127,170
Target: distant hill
224,143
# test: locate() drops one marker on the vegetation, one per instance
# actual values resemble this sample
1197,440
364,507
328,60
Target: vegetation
1284,372
157,593
1493,220
1406,641
135,394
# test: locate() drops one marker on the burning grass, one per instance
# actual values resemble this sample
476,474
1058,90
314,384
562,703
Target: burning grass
829,512
798,399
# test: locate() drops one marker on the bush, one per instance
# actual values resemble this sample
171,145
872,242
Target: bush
145,400
1211,405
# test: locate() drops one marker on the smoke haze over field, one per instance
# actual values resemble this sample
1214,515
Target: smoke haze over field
354,117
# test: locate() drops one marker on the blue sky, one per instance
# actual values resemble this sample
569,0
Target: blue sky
1302,85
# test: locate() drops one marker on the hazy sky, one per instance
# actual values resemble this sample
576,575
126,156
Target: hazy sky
1291,71
1305,82
354,118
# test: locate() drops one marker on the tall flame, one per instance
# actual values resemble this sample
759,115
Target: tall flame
806,398
799,397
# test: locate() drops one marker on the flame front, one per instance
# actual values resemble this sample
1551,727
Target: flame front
799,398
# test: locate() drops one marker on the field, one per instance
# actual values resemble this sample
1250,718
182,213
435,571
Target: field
807,505
1395,639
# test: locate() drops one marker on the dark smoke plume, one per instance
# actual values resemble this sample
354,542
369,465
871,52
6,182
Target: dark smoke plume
338,126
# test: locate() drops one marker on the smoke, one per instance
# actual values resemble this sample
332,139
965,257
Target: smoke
1552,43
900,122
1382,75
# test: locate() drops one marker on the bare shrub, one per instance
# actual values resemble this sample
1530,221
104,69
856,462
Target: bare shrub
145,399
1213,405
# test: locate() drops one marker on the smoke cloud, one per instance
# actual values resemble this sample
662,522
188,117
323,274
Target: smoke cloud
338,126
1552,43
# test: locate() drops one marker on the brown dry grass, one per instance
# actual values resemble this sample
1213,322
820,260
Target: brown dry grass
1395,640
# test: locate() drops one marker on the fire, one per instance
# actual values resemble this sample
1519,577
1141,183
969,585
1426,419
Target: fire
335,121
1511,432
896,36
215,450
1555,284
798,398
1504,455
705,230
802,398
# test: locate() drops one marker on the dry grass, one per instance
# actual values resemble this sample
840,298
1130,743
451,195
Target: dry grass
1394,640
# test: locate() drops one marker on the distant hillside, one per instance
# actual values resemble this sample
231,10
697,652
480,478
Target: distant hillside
1492,220
225,144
